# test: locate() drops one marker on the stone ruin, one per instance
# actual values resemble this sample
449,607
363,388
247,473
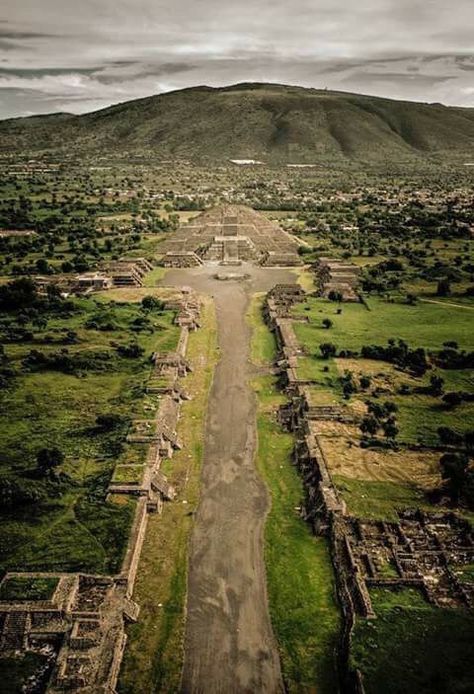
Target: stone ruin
230,235
187,307
419,550
126,272
80,626
337,277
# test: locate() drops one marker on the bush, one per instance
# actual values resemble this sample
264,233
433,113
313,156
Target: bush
327,350
131,351
452,399
150,303
16,492
399,353
48,459
18,294
449,437
110,421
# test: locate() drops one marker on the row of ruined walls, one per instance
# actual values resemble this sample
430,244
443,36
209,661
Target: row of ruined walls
187,317
322,508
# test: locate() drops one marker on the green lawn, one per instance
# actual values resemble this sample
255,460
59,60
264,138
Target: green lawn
263,344
128,474
152,278
426,325
378,500
419,417
423,325
72,527
28,588
414,648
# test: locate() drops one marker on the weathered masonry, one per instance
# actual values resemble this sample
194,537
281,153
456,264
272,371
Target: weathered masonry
337,278
126,272
80,622
230,235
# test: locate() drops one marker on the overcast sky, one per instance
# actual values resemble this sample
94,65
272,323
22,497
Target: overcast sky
81,55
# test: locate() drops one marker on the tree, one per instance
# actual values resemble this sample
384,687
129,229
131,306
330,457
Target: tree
390,428
328,349
452,399
131,351
42,266
109,421
327,323
469,440
48,459
369,425
449,437
16,492
436,385
66,266
150,302
444,287
453,471
20,293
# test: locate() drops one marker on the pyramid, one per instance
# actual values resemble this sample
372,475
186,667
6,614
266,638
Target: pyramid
230,235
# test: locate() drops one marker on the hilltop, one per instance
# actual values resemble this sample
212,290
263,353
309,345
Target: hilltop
268,122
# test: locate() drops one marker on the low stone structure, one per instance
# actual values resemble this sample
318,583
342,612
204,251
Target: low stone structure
187,307
125,272
84,283
83,622
181,259
336,277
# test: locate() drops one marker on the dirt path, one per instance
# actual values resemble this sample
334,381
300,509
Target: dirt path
229,645
447,303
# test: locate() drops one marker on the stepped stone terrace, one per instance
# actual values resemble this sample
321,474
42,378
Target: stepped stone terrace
230,235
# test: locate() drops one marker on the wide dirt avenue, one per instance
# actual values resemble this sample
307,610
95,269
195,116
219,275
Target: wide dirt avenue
229,644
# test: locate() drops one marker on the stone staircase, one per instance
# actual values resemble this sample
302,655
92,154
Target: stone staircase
14,630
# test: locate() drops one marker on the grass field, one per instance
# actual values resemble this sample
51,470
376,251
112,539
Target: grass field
423,325
74,528
414,648
154,655
300,581
378,500
151,278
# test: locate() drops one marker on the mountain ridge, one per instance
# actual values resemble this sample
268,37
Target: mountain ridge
271,122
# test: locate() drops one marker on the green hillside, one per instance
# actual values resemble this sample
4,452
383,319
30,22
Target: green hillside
274,123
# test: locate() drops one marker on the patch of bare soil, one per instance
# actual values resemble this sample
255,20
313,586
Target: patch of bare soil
138,293
340,444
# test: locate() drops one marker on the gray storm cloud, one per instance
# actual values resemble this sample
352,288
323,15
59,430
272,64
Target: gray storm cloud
79,56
